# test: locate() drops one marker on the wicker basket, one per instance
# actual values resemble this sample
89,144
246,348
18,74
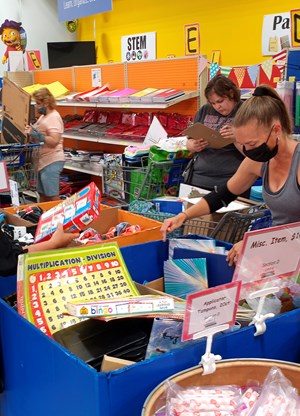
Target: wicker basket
228,372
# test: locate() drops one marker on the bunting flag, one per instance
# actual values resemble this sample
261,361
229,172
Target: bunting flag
214,68
267,67
280,61
240,73
253,72
202,64
225,70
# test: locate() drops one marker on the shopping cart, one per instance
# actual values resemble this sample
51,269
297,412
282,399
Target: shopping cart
231,228
20,162
144,182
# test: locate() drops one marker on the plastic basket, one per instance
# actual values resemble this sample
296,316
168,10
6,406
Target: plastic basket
145,182
237,372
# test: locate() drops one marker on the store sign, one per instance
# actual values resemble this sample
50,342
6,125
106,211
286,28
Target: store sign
276,33
192,39
269,253
140,47
211,307
295,28
74,9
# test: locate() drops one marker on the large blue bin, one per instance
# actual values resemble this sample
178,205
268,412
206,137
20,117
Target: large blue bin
43,378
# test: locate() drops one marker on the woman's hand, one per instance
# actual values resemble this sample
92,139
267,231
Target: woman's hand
60,238
172,224
227,132
234,253
196,145
28,129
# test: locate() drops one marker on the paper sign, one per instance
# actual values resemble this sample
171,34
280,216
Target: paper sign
269,253
96,77
4,183
14,193
213,137
209,308
16,62
155,133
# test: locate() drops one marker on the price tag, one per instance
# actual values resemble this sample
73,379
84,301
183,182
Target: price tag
211,307
269,253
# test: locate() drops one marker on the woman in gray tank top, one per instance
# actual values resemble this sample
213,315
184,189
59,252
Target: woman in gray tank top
263,127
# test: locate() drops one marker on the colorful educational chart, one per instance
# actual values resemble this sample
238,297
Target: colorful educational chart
268,254
46,283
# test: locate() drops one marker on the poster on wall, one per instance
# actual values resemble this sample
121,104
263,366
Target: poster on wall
276,33
140,47
74,9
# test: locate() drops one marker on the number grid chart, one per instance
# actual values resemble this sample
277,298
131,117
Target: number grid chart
87,273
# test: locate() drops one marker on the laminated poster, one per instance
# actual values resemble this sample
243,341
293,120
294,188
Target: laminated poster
46,283
185,276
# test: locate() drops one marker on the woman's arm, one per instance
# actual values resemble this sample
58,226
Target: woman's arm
244,177
58,240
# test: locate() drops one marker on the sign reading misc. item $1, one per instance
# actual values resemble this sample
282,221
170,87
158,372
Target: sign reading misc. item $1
139,47
269,253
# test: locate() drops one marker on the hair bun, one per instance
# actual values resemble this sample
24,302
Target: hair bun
261,92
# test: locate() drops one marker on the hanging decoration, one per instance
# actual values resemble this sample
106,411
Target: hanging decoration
268,72
72,25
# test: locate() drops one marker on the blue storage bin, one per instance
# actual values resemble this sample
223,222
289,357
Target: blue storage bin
256,194
43,378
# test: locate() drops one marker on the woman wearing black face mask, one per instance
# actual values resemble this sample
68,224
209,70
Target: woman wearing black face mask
263,127
48,132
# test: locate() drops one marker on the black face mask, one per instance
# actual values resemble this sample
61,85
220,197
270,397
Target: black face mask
261,153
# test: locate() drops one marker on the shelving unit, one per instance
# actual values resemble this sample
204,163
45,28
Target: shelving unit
144,106
178,73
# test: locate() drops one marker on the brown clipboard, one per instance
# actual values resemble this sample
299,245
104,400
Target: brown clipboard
213,137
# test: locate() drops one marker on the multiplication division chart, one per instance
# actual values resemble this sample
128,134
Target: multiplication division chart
47,280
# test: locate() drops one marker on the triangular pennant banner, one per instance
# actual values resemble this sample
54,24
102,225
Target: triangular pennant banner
253,72
214,68
225,70
267,66
202,64
239,73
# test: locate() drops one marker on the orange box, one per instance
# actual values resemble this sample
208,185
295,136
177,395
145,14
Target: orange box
111,217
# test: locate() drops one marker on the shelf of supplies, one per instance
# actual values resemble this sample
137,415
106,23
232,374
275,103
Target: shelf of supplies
104,140
186,96
78,167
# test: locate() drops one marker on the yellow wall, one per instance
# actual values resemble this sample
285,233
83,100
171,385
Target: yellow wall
234,27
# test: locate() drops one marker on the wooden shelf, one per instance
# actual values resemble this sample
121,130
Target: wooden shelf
188,95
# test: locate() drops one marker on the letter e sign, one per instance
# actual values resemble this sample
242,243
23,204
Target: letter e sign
192,39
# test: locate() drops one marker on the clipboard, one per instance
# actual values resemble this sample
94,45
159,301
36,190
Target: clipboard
213,137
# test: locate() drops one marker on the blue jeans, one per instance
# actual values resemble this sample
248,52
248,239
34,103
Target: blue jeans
48,179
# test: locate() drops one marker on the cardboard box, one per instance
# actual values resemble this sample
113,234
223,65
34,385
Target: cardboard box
12,219
52,372
15,113
113,216
112,363
75,213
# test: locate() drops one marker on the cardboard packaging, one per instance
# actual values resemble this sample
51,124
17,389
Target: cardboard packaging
75,213
123,306
15,113
109,218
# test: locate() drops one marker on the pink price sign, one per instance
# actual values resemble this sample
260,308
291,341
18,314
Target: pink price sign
211,307
269,253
